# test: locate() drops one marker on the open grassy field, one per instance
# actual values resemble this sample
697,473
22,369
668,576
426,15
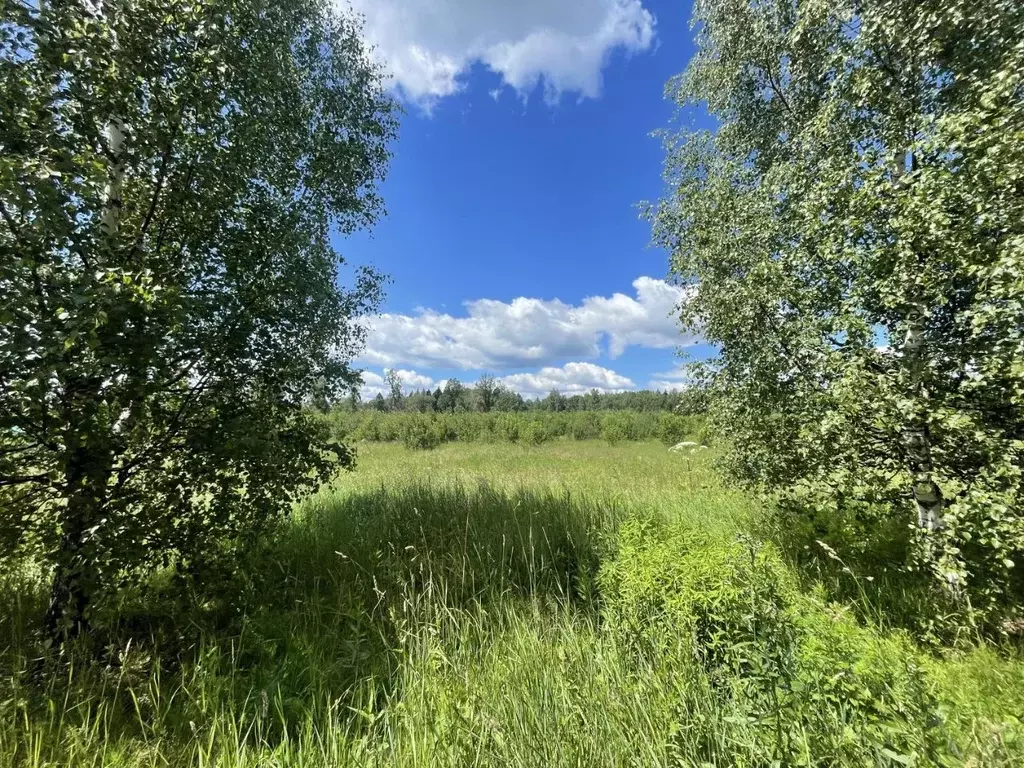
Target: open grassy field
573,603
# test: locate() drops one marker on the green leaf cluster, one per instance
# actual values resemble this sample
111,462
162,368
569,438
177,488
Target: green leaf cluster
171,175
853,237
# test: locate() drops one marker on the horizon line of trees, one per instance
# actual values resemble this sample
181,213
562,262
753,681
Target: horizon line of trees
488,394
429,430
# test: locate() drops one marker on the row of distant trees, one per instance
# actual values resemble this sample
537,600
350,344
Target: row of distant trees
489,394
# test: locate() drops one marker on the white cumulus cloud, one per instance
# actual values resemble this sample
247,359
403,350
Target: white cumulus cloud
564,44
570,379
665,385
676,380
526,332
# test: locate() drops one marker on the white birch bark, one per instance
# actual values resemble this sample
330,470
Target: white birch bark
928,499
110,222
113,134
927,495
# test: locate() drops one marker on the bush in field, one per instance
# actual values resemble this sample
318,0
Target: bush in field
338,427
369,428
420,432
680,591
585,426
534,432
507,427
673,428
466,427
615,427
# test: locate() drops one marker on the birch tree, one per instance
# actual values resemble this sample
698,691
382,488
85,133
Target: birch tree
171,177
854,227
394,381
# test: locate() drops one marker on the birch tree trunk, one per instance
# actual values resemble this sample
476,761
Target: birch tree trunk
928,497
110,222
88,459
86,474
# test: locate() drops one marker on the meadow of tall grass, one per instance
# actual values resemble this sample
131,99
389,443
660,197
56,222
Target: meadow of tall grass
573,603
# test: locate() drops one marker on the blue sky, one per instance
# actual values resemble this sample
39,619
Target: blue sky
513,236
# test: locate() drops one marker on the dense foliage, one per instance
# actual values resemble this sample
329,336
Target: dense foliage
854,229
808,679
170,176
428,430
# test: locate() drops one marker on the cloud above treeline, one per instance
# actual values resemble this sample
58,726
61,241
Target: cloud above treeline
374,383
429,45
569,379
526,332
679,378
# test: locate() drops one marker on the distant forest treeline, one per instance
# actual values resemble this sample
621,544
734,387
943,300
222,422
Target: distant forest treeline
490,395
428,430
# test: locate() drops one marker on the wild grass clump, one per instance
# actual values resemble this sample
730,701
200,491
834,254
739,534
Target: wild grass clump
467,543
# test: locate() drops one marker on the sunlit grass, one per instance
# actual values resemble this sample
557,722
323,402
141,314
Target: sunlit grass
452,607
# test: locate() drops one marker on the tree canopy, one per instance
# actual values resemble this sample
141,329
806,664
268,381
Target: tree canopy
171,174
854,230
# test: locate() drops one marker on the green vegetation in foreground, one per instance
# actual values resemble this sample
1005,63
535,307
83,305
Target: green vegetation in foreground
855,223
494,604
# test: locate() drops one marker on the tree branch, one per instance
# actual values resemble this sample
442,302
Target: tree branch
125,471
9,480
159,187
777,90
11,224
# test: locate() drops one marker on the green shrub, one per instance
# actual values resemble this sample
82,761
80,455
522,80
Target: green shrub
673,428
421,432
506,427
676,590
585,426
615,427
464,427
367,428
534,432
704,435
